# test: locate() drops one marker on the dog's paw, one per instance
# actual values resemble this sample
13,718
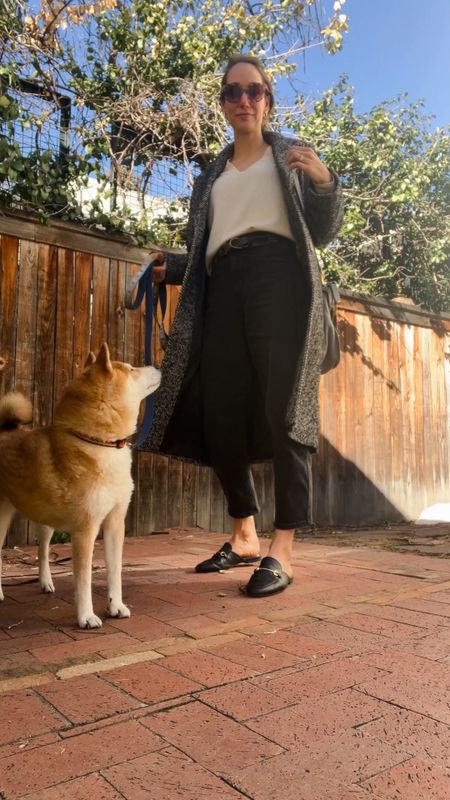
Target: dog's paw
47,585
92,621
118,610
2,596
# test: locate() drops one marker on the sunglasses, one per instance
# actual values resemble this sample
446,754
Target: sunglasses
232,92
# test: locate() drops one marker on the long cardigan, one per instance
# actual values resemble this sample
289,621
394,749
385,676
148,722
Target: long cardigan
314,220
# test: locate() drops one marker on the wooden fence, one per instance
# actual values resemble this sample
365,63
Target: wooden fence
385,445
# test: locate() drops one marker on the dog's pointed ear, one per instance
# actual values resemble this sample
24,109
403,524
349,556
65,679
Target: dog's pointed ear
91,359
104,359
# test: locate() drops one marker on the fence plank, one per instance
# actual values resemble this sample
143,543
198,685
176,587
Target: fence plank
161,498
116,322
45,343
45,333
429,461
82,309
189,502
133,327
372,358
420,494
439,415
25,348
396,417
144,487
64,323
406,378
9,252
337,410
100,300
380,425
175,492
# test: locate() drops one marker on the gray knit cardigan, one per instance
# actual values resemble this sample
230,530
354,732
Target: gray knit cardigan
315,220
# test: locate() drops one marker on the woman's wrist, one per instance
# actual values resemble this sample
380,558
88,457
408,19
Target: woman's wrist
323,187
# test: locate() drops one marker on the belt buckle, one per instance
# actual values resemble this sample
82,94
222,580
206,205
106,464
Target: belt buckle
237,246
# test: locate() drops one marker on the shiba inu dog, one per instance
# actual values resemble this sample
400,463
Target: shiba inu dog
75,475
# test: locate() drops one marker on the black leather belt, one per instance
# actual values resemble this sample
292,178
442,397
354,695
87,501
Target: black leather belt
255,239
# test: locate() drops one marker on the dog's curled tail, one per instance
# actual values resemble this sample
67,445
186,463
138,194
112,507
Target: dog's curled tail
15,410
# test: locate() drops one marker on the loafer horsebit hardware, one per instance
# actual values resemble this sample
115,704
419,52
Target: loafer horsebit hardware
266,569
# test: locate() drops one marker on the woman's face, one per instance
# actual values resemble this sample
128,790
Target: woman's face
245,116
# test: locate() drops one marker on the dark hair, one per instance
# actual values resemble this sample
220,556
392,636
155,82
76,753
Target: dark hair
254,62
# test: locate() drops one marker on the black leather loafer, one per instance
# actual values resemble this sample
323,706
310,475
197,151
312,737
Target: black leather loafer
225,558
269,578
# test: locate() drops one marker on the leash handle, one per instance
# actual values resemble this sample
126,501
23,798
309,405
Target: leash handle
142,284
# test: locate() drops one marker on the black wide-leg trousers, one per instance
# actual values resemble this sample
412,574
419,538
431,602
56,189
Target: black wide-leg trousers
256,314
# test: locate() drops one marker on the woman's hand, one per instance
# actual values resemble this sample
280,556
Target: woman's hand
304,159
159,268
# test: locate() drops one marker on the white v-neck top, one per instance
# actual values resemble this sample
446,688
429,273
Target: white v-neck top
245,201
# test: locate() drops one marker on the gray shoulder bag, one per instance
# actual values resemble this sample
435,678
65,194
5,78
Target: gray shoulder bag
331,297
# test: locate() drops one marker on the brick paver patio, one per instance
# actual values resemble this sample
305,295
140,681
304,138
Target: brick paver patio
337,689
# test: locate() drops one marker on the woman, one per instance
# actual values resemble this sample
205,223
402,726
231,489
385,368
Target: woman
241,373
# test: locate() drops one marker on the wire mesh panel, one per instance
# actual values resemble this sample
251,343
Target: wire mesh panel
42,122
113,176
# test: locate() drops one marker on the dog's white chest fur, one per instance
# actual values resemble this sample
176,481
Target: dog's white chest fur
113,485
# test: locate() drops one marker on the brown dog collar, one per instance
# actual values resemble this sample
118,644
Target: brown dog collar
117,443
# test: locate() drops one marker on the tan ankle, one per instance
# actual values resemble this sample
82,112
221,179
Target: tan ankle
244,538
244,526
281,549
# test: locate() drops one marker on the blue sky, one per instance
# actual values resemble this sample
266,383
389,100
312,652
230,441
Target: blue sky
392,46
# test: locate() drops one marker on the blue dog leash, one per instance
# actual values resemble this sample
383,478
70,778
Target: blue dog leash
152,294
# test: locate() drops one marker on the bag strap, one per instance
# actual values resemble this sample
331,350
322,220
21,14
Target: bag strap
143,283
